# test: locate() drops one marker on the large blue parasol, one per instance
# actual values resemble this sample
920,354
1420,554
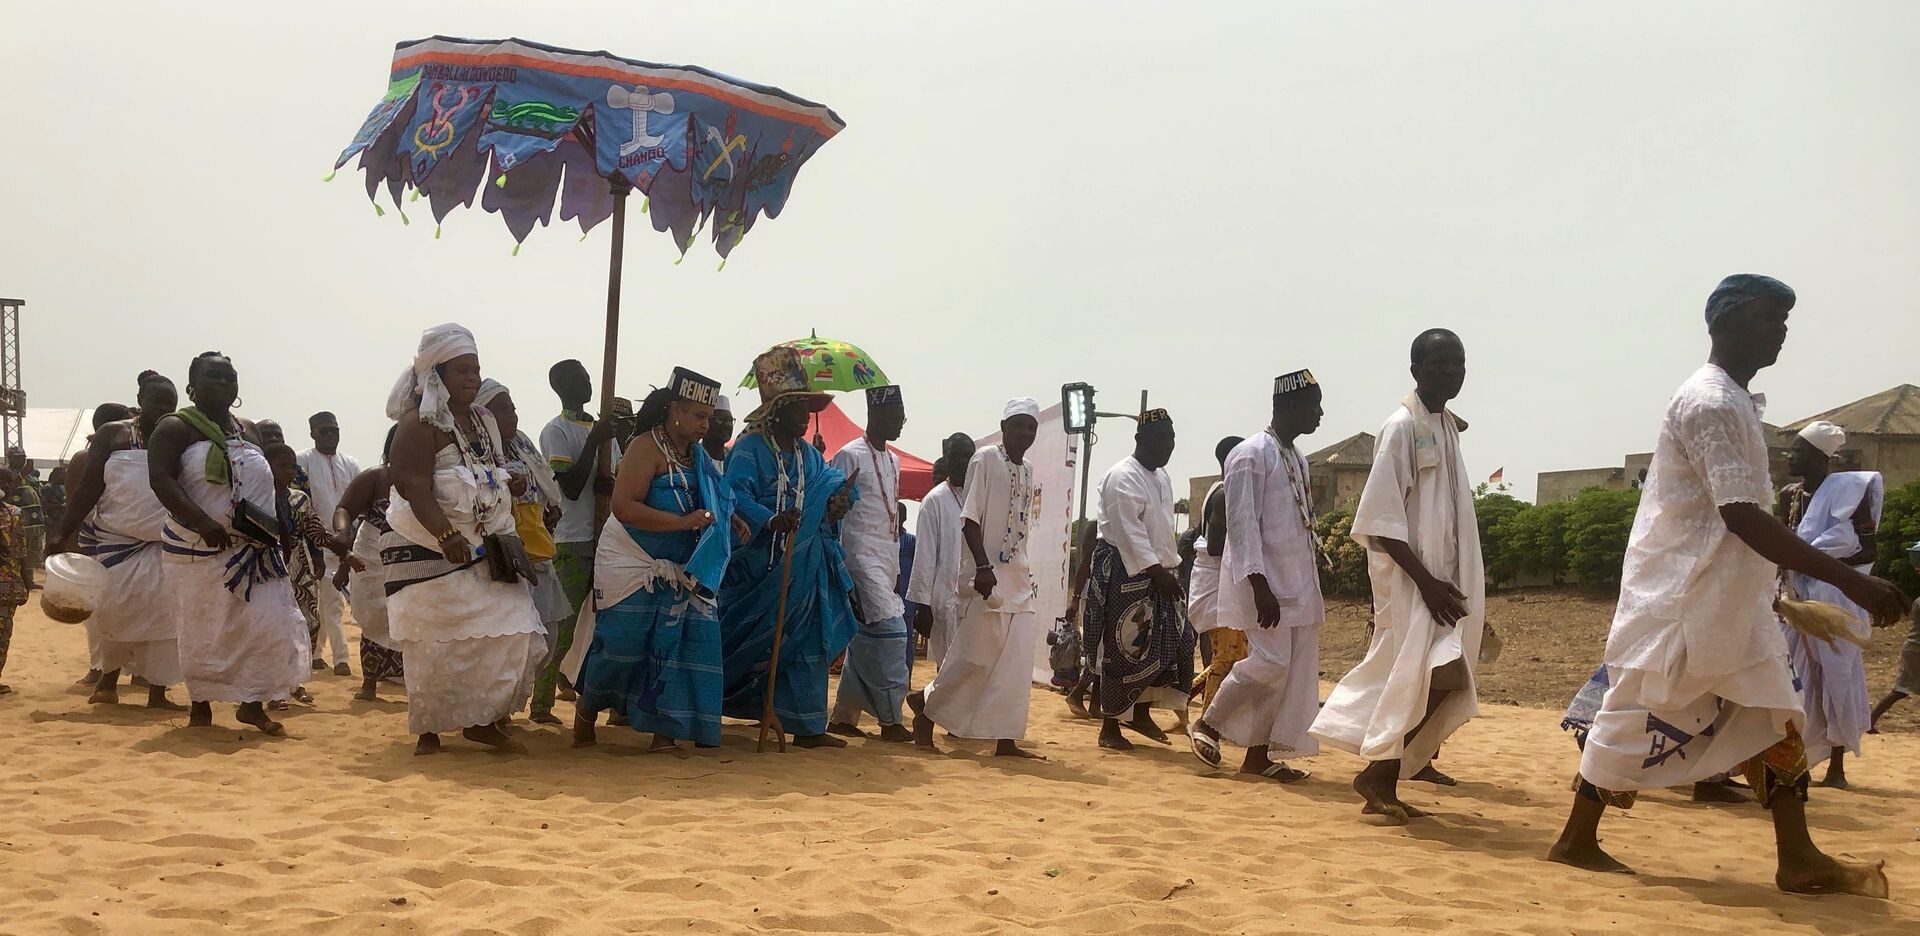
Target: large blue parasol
539,124
525,125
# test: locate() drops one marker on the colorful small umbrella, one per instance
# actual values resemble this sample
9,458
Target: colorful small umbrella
832,365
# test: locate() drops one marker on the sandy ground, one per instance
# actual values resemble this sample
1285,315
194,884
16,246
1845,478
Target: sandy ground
116,821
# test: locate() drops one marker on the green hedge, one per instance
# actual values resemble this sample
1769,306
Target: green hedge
1583,540
1899,529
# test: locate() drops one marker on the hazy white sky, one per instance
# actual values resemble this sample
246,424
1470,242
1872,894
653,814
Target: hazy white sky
1183,198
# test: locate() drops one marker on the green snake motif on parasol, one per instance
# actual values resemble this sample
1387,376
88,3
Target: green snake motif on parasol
532,115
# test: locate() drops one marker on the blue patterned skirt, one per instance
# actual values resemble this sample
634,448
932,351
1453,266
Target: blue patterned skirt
656,658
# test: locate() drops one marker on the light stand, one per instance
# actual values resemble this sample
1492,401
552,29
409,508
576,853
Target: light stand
1080,418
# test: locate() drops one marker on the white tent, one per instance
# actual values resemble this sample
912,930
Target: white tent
1055,460
54,436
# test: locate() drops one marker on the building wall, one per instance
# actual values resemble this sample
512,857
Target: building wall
1334,488
1896,457
1558,486
1348,482
1197,489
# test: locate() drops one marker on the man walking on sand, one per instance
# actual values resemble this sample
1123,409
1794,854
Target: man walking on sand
1415,687
985,682
1271,579
1700,680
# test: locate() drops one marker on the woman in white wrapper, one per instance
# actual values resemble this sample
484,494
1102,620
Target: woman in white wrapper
361,519
536,508
134,623
242,638
472,640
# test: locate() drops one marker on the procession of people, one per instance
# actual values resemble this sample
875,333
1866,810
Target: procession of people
728,575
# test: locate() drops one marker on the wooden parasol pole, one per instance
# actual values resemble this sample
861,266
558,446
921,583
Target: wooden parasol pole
767,720
602,503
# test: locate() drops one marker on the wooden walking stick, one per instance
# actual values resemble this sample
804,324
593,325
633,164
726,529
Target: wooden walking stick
768,721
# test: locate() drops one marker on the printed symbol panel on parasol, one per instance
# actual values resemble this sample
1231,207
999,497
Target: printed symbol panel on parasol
548,125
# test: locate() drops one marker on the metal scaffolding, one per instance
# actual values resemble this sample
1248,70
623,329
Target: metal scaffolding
13,399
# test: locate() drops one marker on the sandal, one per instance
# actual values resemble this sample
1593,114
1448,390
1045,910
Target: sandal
1205,748
1284,774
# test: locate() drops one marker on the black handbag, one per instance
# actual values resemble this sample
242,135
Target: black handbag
256,524
507,559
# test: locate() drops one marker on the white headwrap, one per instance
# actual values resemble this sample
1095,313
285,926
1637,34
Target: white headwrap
527,453
1825,436
419,386
1021,406
489,388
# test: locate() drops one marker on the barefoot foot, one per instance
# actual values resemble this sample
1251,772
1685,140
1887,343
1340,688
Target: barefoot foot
428,744
665,745
1430,774
1826,875
1381,792
492,736
817,741
157,700
895,734
1146,728
255,714
1586,858
1720,793
1007,748
583,733
845,730
104,697
922,725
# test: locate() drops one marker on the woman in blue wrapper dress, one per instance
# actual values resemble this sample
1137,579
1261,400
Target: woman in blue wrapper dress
655,654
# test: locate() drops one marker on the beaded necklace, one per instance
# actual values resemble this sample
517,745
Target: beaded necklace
1302,498
880,480
783,488
676,471
1019,502
479,452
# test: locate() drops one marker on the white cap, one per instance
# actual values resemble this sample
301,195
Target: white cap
1825,436
1021,406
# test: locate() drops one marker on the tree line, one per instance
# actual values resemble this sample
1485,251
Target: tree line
1582,542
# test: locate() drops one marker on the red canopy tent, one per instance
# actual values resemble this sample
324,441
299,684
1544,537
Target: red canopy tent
916,473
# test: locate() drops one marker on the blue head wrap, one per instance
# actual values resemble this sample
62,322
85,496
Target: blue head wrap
1741,288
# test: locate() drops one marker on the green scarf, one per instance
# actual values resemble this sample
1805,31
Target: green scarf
219,470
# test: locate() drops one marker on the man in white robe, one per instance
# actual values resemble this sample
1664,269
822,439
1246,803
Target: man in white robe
1415,687
1836,512
1699,680
328,474
1271,580
984,684
1137,639
940,554
878,665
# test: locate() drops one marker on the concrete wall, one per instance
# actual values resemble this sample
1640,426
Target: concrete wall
1342,490
1896,457
1197,497
1558,486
